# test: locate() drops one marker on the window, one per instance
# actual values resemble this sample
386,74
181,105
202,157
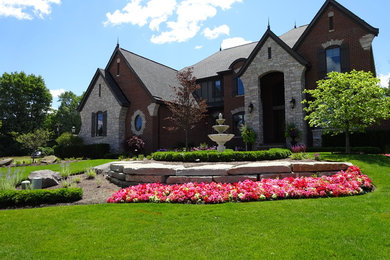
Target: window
212,91
239,87
99,124
118,66
100,90
331,21
238,121
138,123
333,61
269,53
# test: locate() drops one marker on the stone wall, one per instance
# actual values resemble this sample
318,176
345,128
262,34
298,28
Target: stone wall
294,82
116,116
131,173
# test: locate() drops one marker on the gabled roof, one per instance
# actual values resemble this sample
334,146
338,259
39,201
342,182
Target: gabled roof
114,88
155,77
344,10
221,61
270,34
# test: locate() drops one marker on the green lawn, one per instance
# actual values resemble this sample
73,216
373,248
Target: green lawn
344,228
74,167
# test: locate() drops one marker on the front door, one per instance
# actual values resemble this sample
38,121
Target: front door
272,98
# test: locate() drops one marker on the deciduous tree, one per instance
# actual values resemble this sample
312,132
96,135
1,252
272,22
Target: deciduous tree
347,103
24,102
186,110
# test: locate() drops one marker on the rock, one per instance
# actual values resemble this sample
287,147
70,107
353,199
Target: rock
185,179
6,161
260,168
233,179
151,169
320,166
49,159
205,170
49,178
145,178
103,168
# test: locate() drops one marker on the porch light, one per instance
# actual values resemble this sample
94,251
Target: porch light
250,108
73,130
292,103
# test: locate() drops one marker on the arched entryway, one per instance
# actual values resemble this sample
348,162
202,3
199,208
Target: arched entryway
273,102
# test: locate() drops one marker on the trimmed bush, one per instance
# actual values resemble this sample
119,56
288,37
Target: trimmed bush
18,198
366,150
226,156
371,138
92,151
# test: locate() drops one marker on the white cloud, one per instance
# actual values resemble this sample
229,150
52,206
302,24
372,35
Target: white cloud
57,92
232,42
216,32
26,9
198,47
154,12
182,20
384,80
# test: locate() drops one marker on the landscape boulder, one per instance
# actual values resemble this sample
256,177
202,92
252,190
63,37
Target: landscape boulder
49,178
6,162
49,159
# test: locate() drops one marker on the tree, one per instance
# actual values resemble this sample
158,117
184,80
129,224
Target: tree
67,115
248,136
24,102
347,103
34,139
186,110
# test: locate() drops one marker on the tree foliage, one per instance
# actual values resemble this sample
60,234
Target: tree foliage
67,115
24,102
347,103
186,110
34,139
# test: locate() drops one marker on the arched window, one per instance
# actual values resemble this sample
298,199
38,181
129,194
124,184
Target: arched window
238,121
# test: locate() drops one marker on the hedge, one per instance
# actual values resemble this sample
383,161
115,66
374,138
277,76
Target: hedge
226,156
371,138
92,151
366,150
18,198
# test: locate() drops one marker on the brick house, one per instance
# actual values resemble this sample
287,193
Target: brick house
259,83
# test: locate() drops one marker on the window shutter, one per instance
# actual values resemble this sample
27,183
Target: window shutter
93,124
105,123
344,57
321,63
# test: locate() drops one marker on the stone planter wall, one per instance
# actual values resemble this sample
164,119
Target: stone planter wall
125,174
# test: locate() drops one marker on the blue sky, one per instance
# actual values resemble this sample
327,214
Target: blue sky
65,41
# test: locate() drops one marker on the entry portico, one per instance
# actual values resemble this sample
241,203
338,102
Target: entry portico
274,79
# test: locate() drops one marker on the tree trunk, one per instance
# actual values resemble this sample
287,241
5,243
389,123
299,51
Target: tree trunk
347,142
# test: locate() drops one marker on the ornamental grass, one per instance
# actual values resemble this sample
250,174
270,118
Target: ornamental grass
344,183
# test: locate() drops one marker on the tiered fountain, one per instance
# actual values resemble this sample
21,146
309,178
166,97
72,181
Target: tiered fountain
221,138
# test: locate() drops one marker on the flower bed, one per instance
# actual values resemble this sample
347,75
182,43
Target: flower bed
344,183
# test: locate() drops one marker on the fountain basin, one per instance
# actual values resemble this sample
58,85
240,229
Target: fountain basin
220,128
221,139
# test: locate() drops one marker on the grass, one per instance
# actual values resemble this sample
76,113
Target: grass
74,167
342,228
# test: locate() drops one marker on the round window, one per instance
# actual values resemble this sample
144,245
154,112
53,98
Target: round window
138,123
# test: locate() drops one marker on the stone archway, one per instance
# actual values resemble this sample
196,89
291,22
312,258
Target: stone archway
273,103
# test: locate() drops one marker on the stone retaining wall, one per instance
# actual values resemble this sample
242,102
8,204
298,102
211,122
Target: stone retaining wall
125,174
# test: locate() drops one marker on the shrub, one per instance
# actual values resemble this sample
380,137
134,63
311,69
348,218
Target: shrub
91,174
135,144
68,139
226,156
299,148
46,151
248,136
17,198
92,151
9,180
298,156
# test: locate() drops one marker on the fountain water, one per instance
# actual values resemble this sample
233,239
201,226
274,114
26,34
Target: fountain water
220,138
